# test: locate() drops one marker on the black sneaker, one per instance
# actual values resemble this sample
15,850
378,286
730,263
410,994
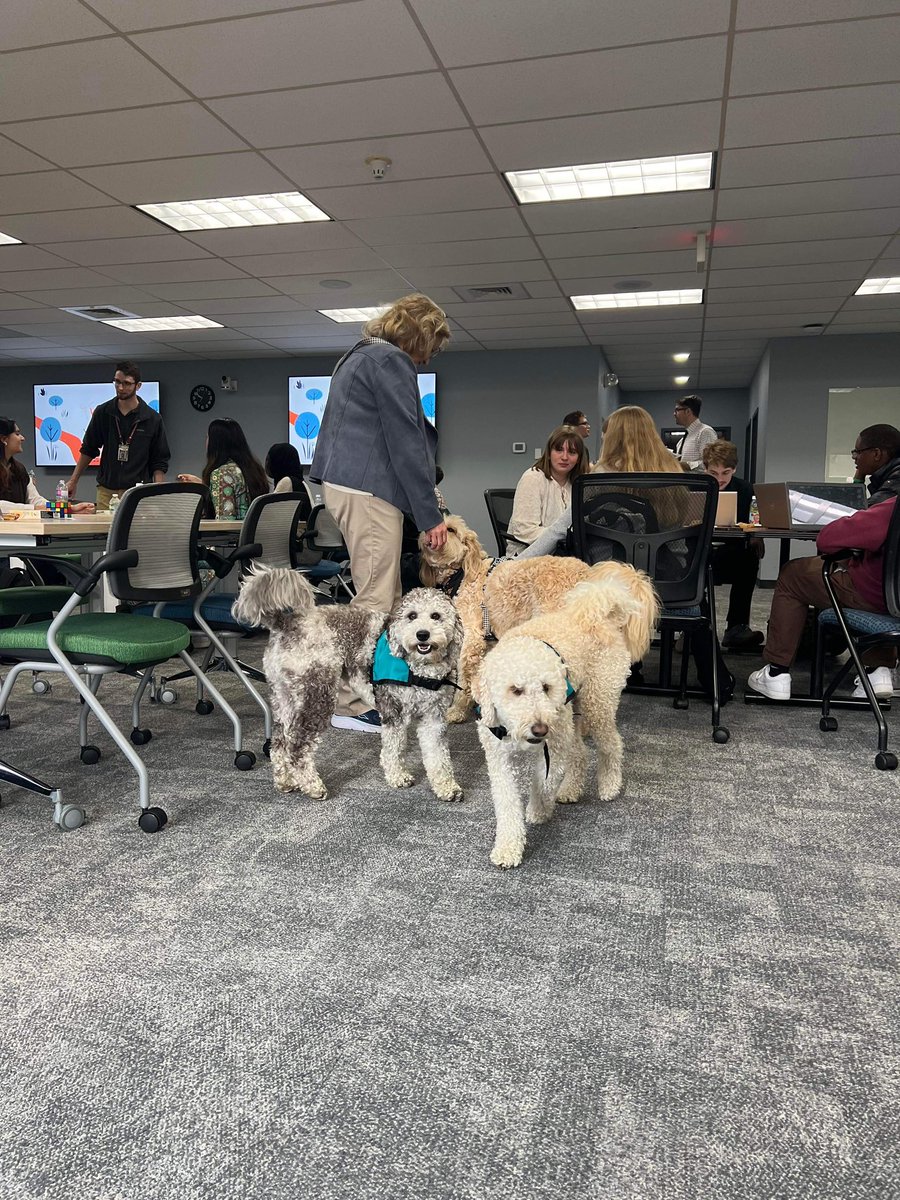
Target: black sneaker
367,722
742,637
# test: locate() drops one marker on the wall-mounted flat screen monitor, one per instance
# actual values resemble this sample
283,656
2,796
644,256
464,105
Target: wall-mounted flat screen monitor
61,415
307,397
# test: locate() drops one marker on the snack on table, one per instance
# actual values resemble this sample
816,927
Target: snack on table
11,516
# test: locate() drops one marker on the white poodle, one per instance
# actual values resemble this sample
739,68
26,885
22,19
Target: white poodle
417,683
308,649
547,677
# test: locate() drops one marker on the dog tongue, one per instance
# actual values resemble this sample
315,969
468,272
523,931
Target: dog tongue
424,647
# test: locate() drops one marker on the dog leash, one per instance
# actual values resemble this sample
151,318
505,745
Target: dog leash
488,633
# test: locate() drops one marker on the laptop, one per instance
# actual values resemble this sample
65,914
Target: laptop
726,509
807,506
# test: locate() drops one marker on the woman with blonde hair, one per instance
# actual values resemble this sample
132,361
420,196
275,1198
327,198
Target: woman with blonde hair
545,490
375,460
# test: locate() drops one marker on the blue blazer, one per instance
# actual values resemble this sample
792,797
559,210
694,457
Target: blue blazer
374,436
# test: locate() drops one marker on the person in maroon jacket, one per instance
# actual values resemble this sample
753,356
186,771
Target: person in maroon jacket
800,585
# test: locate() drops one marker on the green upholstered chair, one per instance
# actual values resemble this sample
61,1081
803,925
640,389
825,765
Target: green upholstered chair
151,556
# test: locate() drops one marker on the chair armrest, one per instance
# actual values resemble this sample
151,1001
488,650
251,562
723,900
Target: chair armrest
840,555
222,564
73,573
119,560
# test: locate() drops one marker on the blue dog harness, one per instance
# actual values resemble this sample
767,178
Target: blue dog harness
388,668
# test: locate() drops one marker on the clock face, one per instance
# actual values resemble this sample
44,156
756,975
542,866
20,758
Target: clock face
203,397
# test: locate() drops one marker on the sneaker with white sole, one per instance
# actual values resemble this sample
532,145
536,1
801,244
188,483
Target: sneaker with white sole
366,722
881,681
776,687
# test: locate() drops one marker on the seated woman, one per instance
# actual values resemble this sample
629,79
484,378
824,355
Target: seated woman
17,490
284,468
234,476
545,490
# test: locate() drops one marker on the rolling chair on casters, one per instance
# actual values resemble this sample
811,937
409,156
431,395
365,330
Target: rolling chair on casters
499,503
66,816
663,524
332,571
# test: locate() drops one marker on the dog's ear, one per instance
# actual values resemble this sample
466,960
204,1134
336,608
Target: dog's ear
482,696
474,551
391,628
427,574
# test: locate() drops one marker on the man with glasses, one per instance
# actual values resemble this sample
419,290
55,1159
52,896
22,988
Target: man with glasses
877,456
697,435
130,435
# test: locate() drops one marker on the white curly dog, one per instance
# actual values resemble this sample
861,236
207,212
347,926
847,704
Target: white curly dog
424,636
552,680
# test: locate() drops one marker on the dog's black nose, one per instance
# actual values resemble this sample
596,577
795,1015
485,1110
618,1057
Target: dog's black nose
539,729
423,635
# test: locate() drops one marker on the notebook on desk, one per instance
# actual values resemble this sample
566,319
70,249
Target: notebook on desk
807,506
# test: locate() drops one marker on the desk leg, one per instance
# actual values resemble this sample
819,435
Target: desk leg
784,552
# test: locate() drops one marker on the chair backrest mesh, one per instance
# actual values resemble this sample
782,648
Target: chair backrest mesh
327,535
272,521
499,503
892,564
661,523
161,521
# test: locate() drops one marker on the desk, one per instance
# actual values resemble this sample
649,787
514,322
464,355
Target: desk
783,536
68,533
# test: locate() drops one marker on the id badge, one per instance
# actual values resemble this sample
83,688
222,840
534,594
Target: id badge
123,452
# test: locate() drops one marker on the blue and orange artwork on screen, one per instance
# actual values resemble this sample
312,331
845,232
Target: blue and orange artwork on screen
62,412
307,397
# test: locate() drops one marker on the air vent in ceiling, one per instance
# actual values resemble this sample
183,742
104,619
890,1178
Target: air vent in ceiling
497,291
100,312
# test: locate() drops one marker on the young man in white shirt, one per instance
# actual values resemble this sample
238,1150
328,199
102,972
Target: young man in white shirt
697,435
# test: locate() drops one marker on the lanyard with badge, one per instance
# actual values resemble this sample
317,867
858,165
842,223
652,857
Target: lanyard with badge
124,443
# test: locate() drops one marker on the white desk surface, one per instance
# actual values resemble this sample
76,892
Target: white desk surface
28,529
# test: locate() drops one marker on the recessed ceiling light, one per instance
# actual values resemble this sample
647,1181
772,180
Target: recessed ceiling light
681,380
633,176
683,356
878,287
6,240
639,299
151,324
229,212
334,283
344,315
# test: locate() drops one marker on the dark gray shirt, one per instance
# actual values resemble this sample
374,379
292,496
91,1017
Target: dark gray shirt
142,429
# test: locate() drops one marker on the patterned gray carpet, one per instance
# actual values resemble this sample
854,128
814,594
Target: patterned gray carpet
690,992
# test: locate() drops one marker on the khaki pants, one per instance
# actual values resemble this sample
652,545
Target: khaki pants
373,532
105,494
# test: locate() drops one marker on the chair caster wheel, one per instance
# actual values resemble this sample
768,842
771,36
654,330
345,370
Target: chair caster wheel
168,696
140,737
70,817
678,702
244,760
828,724
41,687
267,747
4,721
203,707
721,735
90,755
885,761
152,820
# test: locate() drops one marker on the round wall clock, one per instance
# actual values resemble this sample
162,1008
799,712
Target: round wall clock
203,397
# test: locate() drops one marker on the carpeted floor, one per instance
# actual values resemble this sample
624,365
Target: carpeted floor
688,993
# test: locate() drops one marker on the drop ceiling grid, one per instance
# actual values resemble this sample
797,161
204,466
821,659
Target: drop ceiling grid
455,102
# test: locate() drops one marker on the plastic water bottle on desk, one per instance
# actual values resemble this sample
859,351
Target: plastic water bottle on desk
62,500
114,503
754,511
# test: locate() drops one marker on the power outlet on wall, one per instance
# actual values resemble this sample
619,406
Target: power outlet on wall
538,452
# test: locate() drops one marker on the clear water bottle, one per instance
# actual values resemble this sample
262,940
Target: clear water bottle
114,502
62,492
754,511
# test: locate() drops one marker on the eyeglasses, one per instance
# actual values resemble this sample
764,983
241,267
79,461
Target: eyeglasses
681,408
126,383
584,424
854,453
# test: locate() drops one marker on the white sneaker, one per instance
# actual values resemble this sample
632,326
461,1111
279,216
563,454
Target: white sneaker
882,684
776,687
367,722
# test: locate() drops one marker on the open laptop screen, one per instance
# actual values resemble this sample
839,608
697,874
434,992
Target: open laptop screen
822,503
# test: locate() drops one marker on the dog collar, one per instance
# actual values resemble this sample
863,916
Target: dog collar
388,668
451,585
570,691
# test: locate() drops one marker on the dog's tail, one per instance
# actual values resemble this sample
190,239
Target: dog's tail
616,592
270,596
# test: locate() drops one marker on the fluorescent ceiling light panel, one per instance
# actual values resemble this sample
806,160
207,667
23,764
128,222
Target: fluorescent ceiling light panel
346,315
633,176
681,380
682,357
639,299
230,212
6,240
156,324
879,287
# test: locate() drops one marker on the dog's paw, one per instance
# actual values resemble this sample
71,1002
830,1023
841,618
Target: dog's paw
537,814
400,779
507,855
457,715
451,793
609,791
568,797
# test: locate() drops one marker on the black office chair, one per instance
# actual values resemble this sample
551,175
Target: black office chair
663,524
862,631
499,503
66,816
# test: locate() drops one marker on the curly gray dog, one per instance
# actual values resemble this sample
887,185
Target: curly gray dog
414,678
308,649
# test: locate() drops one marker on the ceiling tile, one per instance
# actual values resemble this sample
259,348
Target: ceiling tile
324,262
273,239
28,24
373,108
80,225
792,273
80,77
881,191
604,81
320,44
855,223
60,277
439,227
591,285
417,196
28,258
811,116
619,212
643,265
147,273
366,288
42,191
641,239
535,343
756,14
840,250
137,14
497,250
14,159
263,306
103,251
775,292
414,156
107,292
815,56
798,162
460,309
474,275
128,135
476,322
245,174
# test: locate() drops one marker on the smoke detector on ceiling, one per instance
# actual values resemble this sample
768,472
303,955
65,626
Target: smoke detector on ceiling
378,164
610,379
